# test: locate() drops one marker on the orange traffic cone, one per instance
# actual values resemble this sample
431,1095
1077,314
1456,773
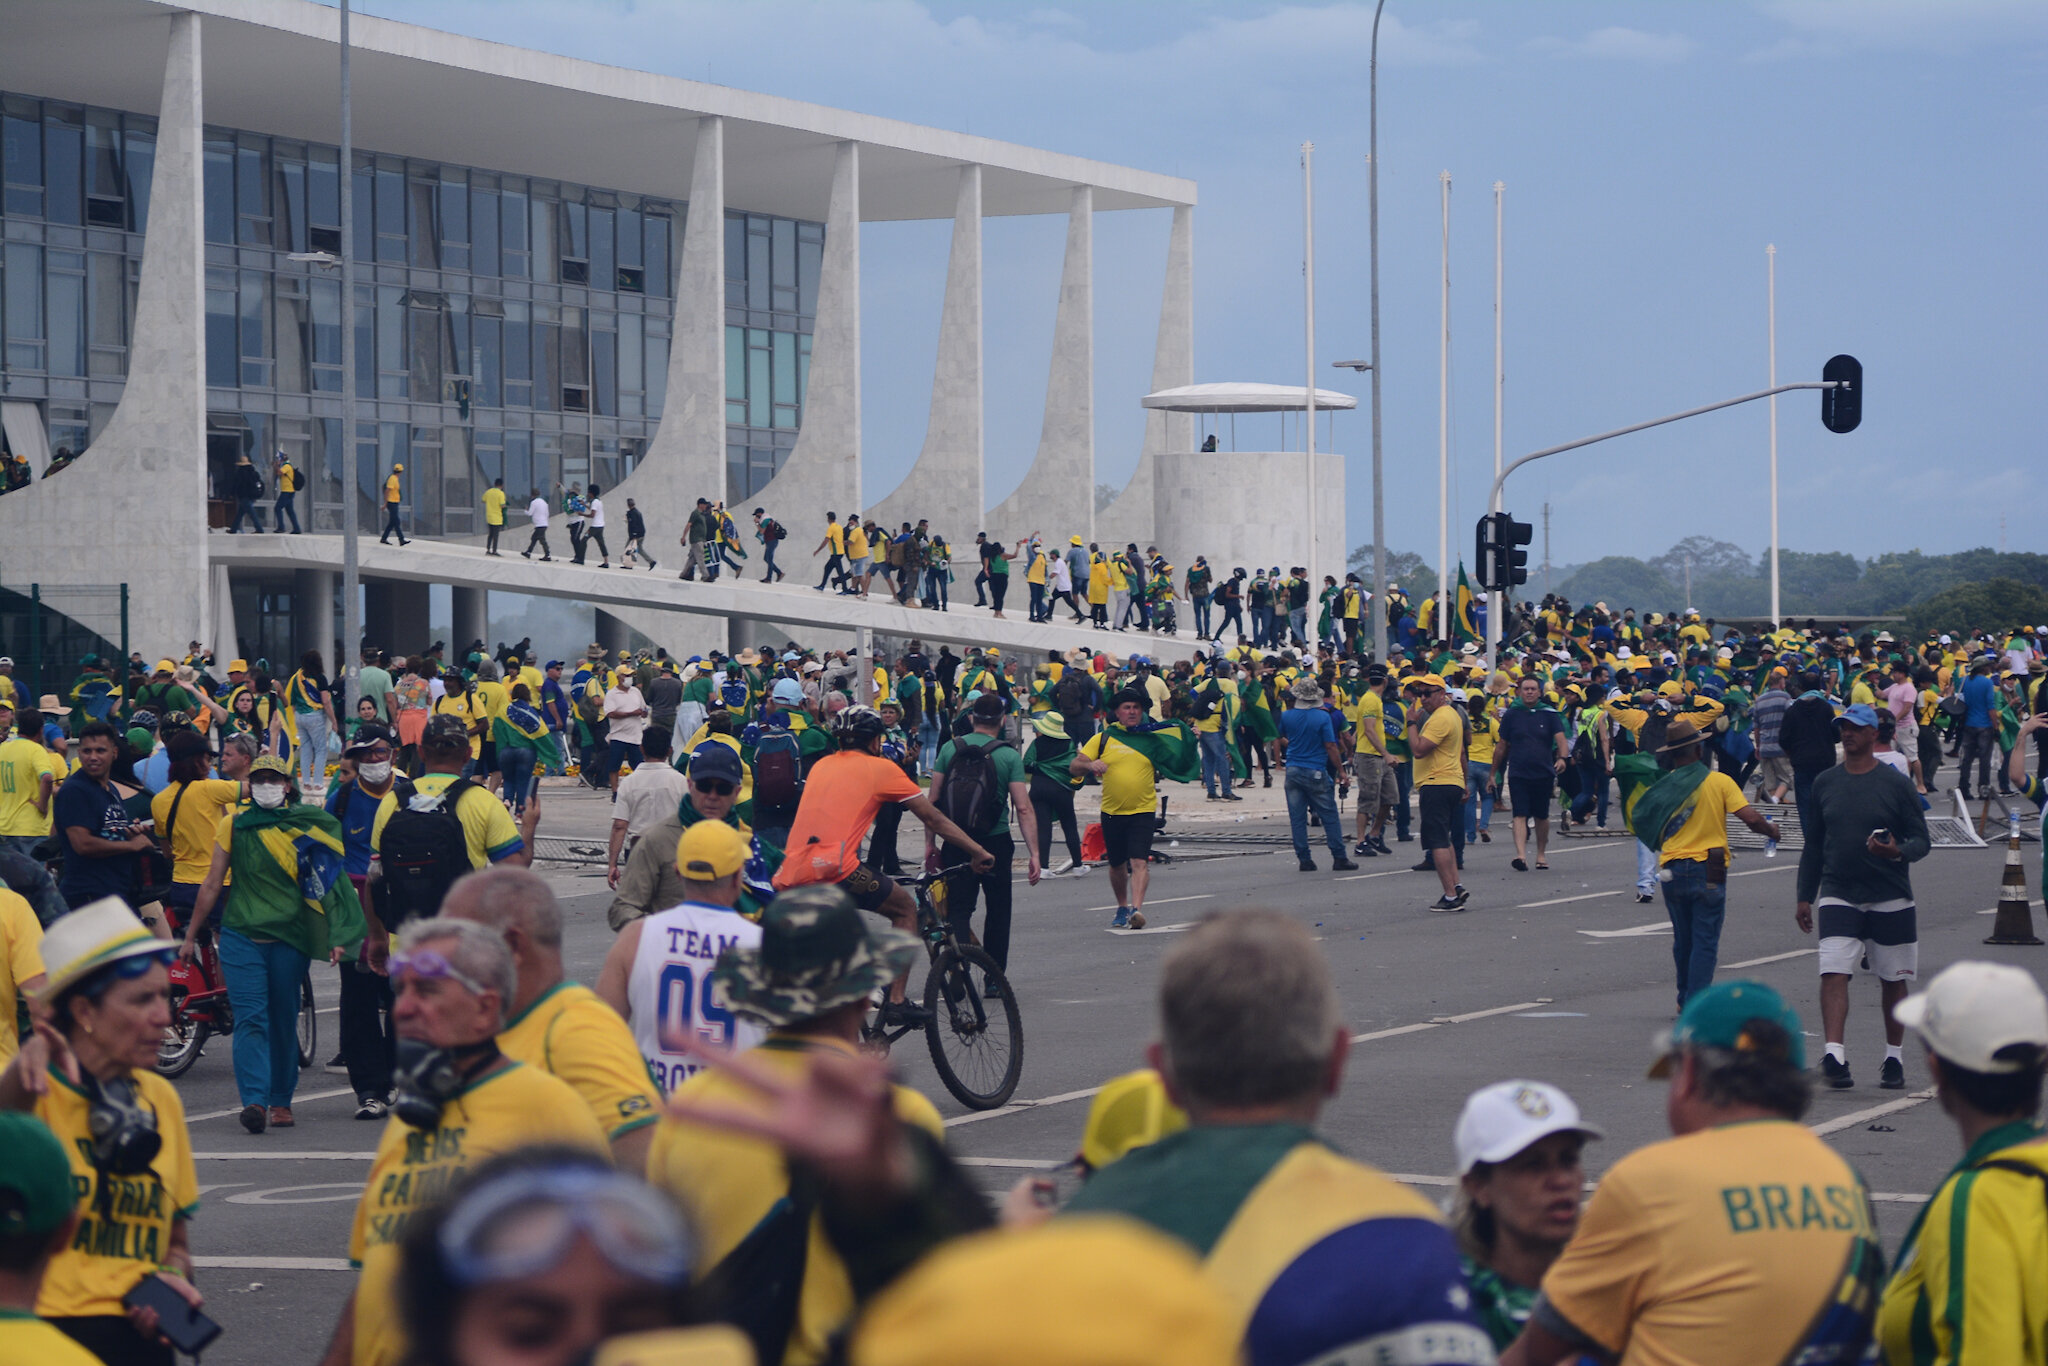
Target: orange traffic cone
2015,922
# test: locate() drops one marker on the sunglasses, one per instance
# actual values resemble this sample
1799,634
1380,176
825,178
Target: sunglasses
428,964
524,1223
712,787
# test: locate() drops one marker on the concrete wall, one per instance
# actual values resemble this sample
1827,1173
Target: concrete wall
946,484
1057,496
133,509
1132,517
1245,509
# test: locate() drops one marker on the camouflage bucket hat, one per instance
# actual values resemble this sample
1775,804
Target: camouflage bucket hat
817,953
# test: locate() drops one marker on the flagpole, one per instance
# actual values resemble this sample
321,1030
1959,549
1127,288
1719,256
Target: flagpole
1443,436
1308,285
1496,599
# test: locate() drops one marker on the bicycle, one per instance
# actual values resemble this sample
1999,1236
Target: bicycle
977,1049
200,1009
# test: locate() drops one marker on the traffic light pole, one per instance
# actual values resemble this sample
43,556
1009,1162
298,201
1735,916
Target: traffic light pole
1500,480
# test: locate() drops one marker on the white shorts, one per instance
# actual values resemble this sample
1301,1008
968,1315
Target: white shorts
1884,936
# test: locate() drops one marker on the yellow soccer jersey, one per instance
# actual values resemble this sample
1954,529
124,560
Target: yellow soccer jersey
572,1034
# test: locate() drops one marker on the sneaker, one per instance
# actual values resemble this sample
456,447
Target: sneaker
1364,849
1644,898
1892,1076
1380,843
905,1012
1446,903
1137,920
370,1107
254,1119
1061,871
1232,797
338,1064
1426,866
991,989
1485,837
1308,865
281,1117
1343,865
1464,897
1836,1074
1123,919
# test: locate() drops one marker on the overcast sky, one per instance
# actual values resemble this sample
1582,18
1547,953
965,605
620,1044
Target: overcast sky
1893,151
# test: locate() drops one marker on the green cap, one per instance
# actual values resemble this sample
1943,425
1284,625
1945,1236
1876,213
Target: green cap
36,1194
817,953
1718,1018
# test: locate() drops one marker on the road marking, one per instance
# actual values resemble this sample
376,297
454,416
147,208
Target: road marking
1855,1117
275,1195
1772,958
300,1099
1552,1015
1632,932
1024,1163
273,1263
1497,1010
1361,877
1565,900
316,1156
1759,872
1161,901
1018,1107
1390,1033
223,1186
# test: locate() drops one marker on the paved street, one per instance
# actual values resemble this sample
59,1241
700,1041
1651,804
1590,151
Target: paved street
1556,975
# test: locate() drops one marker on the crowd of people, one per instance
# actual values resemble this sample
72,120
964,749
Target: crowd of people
698,1140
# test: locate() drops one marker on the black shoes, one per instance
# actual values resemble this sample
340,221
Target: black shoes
1892,1076
255,1118
1836,1074
1308,865
1344,865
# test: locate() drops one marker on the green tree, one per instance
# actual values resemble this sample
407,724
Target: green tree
1403,567
1620,581
1996,606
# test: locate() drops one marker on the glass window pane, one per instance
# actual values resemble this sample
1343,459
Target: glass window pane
603,259
363,205
220,190
222,364
109,280
735,248
483,217
519,482
518,344
735,362
630,243
326,295
366,348
757,270
390,340
657,375
294,340
455,206
785,253
541,251
785,368
425,346
654,235
24,280
575,231
487,362
252,190
810,258
631,328
390,215
604,373
515,220
421,232
66,322
575,346
547,361
757,387
291,203
103,153
22,163
63,165
139,164
736,485
323,188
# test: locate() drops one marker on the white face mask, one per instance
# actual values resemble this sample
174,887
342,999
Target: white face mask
376,775
268,795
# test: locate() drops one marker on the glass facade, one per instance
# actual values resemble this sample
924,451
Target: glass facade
503,326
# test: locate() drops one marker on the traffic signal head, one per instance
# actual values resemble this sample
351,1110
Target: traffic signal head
1841,409
1501,564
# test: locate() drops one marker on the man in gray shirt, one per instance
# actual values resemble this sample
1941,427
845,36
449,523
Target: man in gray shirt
1863,827
1774,770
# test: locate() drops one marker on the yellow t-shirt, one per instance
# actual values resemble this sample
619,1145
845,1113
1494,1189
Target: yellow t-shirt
857,543
391,487
534,681
572,1034
22,764
24,1337
496,697
1706,827
472,707
1485,729
1444,765
726,1183
21,960
515,1107
1722,1245
835,538
494,507
192,838
1129,788
108,1256
1368,707
1036,573
1226,694
487,826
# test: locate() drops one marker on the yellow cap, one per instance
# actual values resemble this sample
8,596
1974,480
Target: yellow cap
1129,1112
710,851
164,666
1125,1296
238,666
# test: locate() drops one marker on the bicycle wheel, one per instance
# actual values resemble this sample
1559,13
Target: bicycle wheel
180,1046
309,1022
977,1043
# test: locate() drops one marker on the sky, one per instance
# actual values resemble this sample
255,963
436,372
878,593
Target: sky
1893,152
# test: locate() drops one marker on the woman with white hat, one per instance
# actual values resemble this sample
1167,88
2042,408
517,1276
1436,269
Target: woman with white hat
88,1074
1520,1184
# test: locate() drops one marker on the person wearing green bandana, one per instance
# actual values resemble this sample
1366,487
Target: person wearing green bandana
1971,1279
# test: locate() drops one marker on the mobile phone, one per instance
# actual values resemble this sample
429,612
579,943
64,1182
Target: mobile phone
1882,834
187,1329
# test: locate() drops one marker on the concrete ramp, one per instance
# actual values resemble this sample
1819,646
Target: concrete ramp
464,566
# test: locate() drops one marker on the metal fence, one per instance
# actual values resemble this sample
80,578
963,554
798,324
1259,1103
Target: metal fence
46,629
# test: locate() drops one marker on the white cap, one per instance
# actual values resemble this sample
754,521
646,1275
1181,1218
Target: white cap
1456,694
1624,653
1502,1119
1970,1012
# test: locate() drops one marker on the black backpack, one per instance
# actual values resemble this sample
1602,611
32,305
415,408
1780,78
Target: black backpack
974,792
423,851
1074,694
1202,705
771,530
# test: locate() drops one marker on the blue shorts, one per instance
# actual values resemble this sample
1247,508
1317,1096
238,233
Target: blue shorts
624,752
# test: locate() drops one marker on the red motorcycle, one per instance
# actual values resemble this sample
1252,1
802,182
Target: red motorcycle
200,1009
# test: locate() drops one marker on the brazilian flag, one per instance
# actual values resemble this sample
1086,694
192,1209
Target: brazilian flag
1464,625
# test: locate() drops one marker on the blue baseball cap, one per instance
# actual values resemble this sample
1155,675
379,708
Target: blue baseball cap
717,759
788,692
1860,714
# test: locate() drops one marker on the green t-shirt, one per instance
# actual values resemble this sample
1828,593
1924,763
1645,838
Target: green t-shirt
1501,1306
1009,768
373,683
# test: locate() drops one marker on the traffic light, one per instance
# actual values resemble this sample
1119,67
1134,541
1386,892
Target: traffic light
1842,409
1501,564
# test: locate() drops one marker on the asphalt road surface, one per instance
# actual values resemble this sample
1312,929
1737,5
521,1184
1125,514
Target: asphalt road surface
1555,975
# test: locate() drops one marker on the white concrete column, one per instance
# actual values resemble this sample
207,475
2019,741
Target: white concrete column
823,473
313,601
1136,514
140,488
946,484
226,641
1057,496
470,619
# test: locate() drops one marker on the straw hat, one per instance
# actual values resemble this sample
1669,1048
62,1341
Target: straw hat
92,937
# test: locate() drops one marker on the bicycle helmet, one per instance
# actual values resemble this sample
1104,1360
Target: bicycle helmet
854,726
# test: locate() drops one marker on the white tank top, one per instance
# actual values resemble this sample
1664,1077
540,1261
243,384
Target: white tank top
667,992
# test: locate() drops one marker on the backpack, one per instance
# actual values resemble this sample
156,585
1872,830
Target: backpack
772,530
778,774
423,851
590,703
760,1283
1074,695
974,792
1202,705
894,554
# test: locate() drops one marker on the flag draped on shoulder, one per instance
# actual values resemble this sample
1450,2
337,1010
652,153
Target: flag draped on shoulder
1169,745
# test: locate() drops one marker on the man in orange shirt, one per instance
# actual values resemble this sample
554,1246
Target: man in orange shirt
843,793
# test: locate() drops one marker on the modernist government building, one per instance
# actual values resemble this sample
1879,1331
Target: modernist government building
565,272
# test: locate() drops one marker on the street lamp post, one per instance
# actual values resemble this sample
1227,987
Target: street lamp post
351,590
1379,491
